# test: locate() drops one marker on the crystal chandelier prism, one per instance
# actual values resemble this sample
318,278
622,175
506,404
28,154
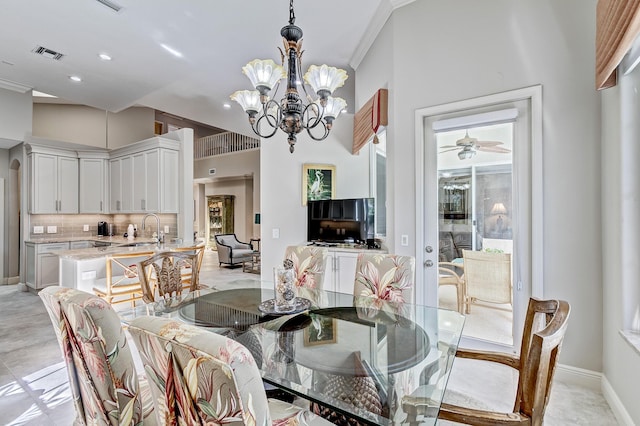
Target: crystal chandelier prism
291,114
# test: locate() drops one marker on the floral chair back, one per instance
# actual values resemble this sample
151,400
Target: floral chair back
102,375
385,278
309,263
199,377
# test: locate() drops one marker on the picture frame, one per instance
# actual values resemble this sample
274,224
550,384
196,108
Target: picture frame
326,334
318,182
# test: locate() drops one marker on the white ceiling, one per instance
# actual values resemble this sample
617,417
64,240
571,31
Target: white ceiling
215,37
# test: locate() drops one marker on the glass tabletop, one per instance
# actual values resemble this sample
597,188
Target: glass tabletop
371,361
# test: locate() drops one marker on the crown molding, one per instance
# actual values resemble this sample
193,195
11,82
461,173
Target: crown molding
384,11
12,85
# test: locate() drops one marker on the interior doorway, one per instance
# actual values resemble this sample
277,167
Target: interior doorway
485,200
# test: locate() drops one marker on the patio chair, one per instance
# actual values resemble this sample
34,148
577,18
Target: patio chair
487,278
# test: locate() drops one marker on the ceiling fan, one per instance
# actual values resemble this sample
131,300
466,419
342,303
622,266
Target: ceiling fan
468,147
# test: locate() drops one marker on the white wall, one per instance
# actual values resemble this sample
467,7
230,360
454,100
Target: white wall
620,224
15,114
281,198
430,53
91,126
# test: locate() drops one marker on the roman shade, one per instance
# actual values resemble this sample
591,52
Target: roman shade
617,26
369,119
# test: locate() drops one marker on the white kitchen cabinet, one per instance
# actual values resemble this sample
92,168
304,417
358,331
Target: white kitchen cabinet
73,245
340,271
53,184
145,181
42,264
93,182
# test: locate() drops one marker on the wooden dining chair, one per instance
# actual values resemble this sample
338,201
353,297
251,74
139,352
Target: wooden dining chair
161,275
452,274
105,386
309,264
207,378
122,281
187,272
544,329
487,278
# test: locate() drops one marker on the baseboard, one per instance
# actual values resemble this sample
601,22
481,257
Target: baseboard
578,376
9,280
615,404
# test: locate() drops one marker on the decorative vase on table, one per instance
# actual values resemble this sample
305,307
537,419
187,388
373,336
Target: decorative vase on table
284,278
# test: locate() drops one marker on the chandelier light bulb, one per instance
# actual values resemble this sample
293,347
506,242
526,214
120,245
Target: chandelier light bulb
249,100
264,74
334,107
325,79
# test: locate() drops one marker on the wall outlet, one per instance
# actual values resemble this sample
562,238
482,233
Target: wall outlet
52,229
166,229
404,240
38,229
275,233
85,228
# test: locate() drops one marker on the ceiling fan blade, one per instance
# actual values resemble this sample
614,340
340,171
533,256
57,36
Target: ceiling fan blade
449,146
489,143
496,149
450,149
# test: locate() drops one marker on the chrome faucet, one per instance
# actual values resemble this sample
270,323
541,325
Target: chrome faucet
160,239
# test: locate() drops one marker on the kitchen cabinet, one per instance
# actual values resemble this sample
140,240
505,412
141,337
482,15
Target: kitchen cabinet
145,181
53,183
93,183
73,245
42,264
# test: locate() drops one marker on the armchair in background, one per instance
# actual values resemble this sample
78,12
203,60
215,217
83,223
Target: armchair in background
231,251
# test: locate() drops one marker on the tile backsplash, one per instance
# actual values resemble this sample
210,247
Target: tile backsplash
72,225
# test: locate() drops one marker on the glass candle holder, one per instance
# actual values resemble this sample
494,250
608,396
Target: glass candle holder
285,289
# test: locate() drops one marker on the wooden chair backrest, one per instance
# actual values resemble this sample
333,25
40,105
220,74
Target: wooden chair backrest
544,330
487,276
161,275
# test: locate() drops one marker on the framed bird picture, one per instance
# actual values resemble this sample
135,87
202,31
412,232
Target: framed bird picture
318,182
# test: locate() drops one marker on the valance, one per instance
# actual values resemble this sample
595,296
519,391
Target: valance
617,26
369,119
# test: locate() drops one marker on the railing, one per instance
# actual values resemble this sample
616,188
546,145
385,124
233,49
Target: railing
223,143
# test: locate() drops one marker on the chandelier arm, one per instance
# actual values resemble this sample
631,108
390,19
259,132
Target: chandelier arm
256,128
265,113
323,137
312,121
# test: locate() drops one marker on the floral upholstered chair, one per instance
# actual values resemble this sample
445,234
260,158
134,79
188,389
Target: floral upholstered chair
385,278
199,378
309,264
102,376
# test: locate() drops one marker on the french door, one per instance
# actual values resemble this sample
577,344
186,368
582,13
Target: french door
478,189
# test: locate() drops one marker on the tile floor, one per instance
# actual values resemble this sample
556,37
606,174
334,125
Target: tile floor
34,389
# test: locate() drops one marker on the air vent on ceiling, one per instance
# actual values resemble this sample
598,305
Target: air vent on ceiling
48,53
111,5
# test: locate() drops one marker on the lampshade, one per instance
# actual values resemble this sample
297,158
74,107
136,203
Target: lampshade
264,74
249,100
334,107
466,153
325,79
498,208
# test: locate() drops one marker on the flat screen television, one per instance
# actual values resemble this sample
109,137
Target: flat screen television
341,221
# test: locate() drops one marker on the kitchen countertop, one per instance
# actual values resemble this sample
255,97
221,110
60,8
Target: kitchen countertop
97,252
113,240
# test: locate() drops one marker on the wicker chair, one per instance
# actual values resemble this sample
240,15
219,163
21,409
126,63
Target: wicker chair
162,275
122,281
487,278
450,274
544,328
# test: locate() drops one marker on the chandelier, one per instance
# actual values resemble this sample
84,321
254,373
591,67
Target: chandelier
291,115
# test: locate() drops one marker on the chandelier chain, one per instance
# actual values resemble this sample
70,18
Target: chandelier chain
292,15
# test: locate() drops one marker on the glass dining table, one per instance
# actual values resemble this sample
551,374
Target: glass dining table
353,358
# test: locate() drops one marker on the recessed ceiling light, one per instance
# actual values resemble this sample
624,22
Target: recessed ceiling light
226,106
75,78
171,50
104,57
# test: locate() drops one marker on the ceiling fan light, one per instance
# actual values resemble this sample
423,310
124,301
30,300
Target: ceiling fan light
465,154
263,74
249,100
325,79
